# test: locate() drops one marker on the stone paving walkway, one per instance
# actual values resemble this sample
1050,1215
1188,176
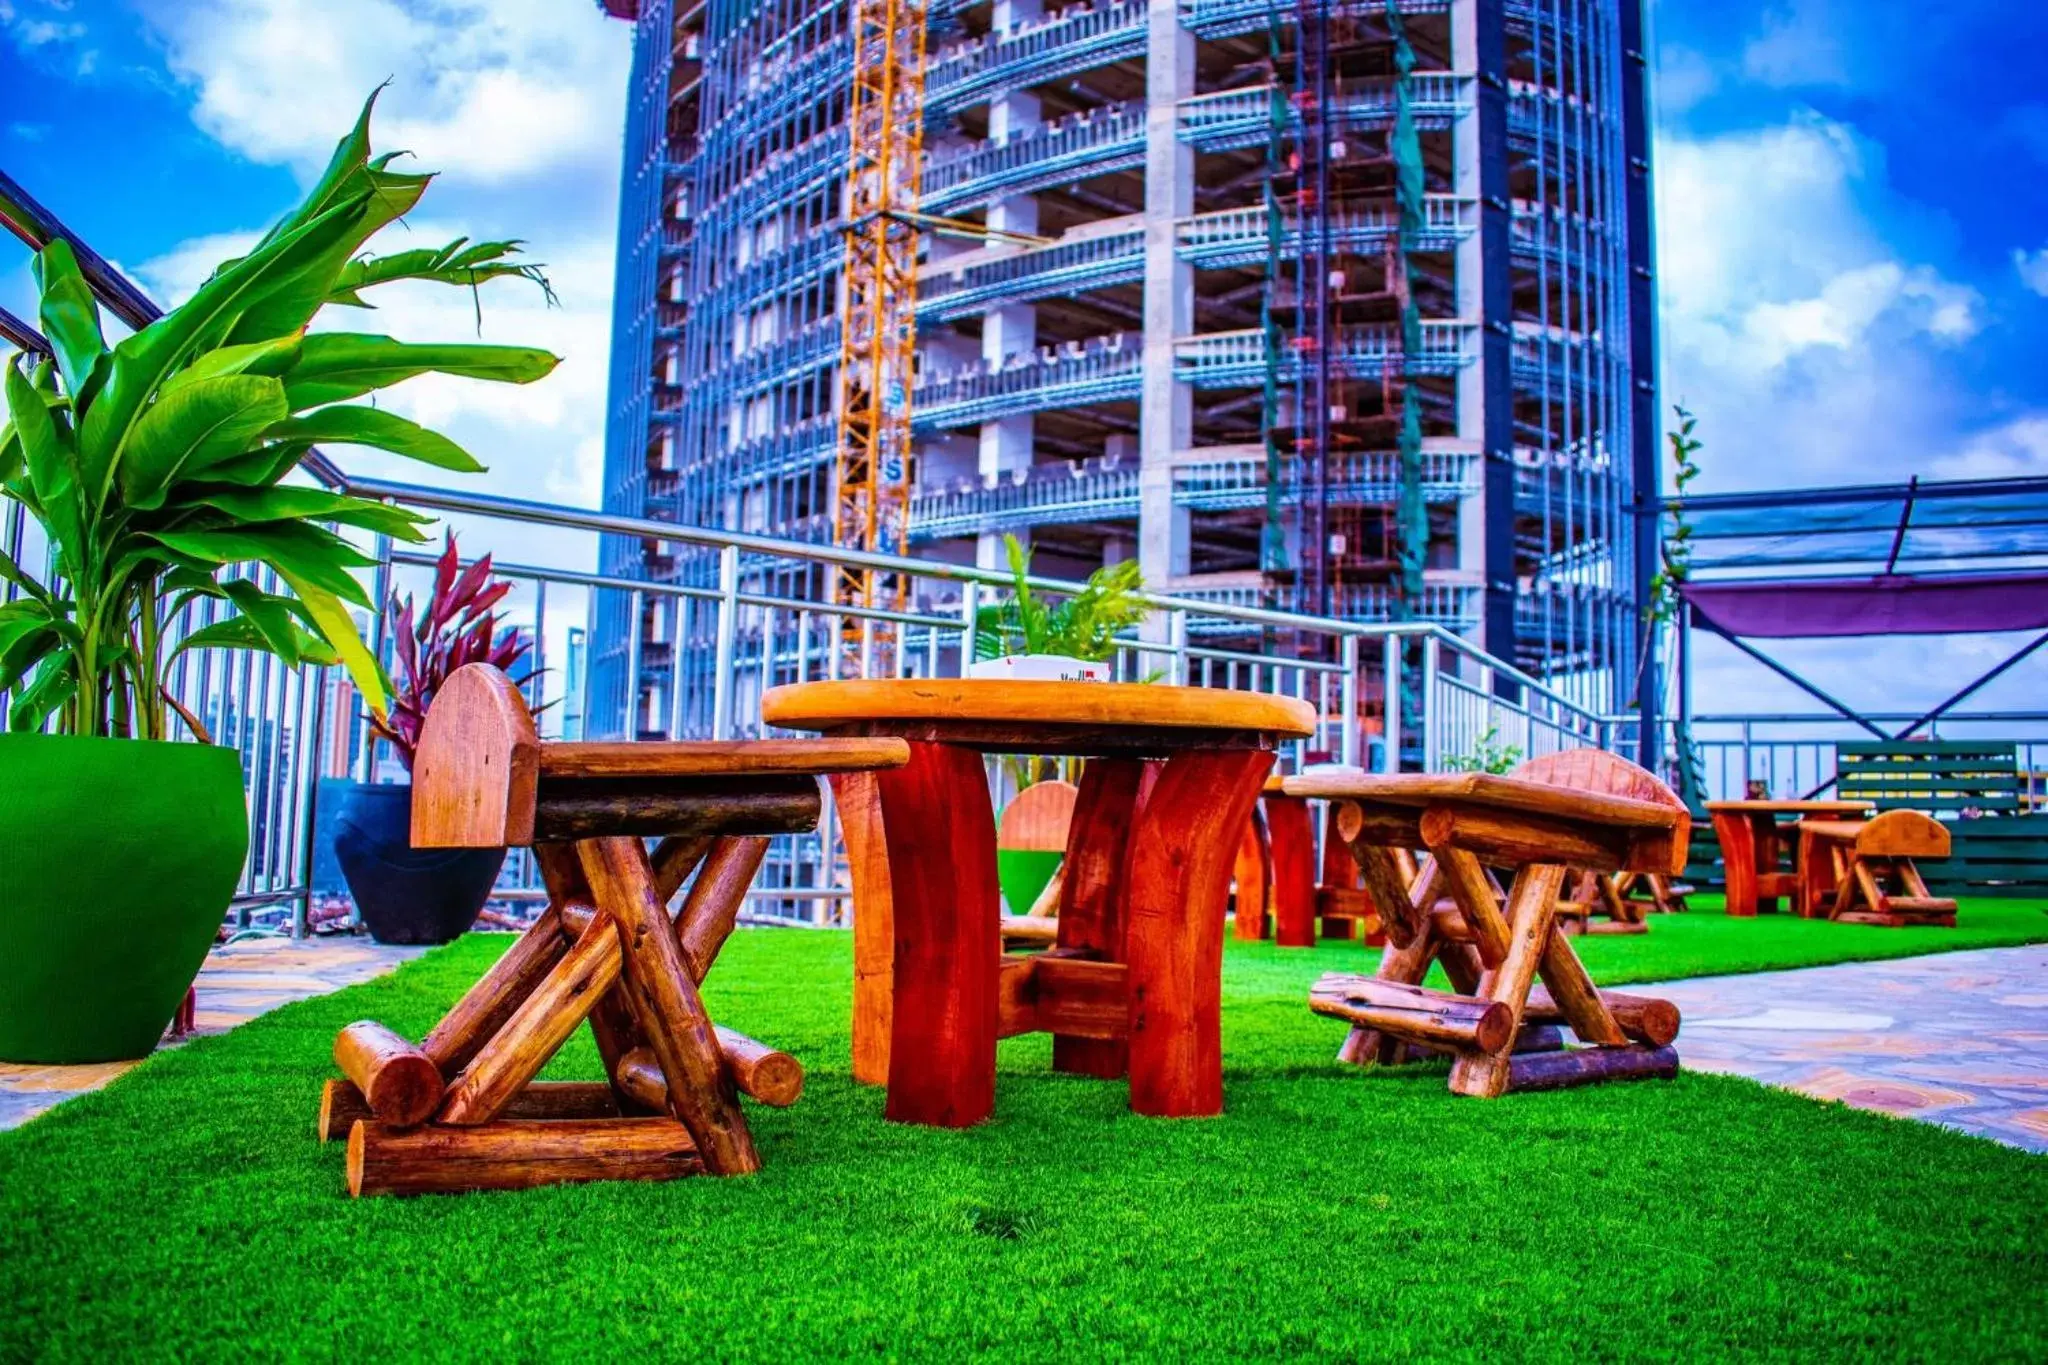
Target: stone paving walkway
1958,1039
238,982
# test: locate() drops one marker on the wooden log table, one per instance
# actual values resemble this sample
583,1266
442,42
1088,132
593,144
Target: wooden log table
1134,984
1752,842
1581,809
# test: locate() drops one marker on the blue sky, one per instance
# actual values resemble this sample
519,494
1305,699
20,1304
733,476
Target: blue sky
1853,203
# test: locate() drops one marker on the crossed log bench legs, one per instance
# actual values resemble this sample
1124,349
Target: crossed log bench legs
461,1112
1501,1033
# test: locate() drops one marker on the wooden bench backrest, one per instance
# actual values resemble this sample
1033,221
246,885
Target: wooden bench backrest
1937,776
477,769
1038,817
1609,774
1903,834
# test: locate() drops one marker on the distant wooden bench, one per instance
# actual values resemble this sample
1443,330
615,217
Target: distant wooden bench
1037,820
1866,871
1940,777
1311,897
1583,809
460,1111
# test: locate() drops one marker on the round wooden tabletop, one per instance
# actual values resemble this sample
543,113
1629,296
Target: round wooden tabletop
995,714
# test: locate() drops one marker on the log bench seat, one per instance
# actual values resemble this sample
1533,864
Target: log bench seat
1866,872
460,1110
1584,809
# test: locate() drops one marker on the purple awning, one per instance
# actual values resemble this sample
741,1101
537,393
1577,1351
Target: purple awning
1877,604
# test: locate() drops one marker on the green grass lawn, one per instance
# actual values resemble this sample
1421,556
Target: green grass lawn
186,1211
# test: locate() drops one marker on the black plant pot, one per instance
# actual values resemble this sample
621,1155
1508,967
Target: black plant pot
407,894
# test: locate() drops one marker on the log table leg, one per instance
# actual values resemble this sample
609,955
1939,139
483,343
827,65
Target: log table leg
1766,841
858,800
1738,860
1252,878
940,830
1292,834
1178,883
1092,893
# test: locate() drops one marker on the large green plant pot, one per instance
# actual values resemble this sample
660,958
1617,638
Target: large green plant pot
1022,873
118,858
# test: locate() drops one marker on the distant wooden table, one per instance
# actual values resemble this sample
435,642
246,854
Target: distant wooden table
1751,842
1134,985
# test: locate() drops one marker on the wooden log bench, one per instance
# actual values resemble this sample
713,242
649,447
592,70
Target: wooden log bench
460,1110
1866,871
1585,809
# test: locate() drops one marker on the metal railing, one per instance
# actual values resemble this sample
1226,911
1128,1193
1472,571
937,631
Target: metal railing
1793,754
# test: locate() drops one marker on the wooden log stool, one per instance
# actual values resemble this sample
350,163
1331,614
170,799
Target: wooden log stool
1585,809
1312,896
460,1111
1865,872
1036,821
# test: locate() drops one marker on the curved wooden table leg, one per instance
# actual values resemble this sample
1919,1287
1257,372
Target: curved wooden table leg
941,834
1092,908
1179,882
858,801
1738,860
1293,839
1252,878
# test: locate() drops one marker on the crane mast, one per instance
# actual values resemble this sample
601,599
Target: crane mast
871,486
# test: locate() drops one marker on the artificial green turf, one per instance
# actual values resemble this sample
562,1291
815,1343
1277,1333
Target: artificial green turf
186,1212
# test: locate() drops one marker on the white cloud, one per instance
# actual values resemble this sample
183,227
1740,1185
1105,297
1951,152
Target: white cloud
2033,269
1799,45
518,105
505,90
1811,350
2018,448
1684,78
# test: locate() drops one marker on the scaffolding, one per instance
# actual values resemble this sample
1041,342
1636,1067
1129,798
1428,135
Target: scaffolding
1403,369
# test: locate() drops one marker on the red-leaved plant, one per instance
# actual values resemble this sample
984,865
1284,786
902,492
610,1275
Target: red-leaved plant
457,629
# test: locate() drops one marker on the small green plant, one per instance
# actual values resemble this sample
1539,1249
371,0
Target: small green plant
1488,755
1085,626
1662,607
155,465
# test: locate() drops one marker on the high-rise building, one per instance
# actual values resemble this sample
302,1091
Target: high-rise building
1339,307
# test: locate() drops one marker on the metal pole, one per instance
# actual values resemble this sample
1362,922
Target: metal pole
1390,706
970,609
1430,719
728,630
635,600
1347,700
1177,641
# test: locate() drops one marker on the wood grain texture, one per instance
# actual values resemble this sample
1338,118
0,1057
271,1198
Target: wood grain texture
1415,1013
1734,831
830,705
536,1030
662,806
341,1105
399,1081
1251,880
1643,1018
666,1005
1179,882
475,770
612,1026
1093,917
760,1072
484,1008
1289,826
1532,907
1588,1066
940,830
858,800
1038,817
1477,901
516,1154
1490,790
716,898
720,757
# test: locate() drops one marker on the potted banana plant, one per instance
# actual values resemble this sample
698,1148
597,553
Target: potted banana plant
156,471
1025,637
424,895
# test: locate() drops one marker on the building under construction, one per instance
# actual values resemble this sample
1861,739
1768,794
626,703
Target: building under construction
1344,308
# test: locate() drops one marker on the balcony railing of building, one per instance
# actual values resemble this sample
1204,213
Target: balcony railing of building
1214,19
947,291
1076,40
1452,605
1087,143
1101,370
1238,120
1238,359
1240,482
1090,490
1236,238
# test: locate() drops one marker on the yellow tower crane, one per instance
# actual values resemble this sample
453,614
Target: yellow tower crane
878,325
